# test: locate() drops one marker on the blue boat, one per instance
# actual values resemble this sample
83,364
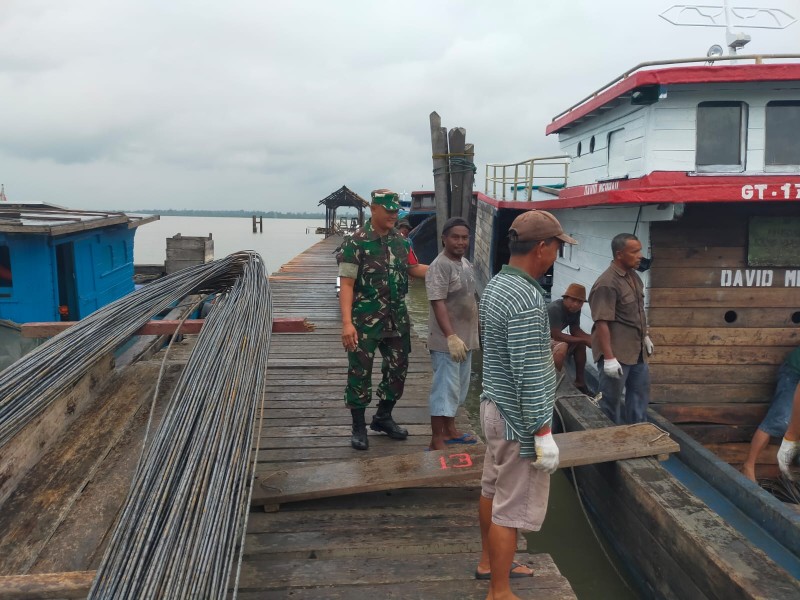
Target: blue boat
61,264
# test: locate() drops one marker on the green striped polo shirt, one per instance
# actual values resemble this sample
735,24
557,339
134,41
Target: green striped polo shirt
518,371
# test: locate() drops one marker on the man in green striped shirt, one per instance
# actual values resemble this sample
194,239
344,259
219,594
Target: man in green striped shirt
519,381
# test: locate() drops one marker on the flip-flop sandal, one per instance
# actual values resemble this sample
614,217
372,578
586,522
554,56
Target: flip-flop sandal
512,574
464,438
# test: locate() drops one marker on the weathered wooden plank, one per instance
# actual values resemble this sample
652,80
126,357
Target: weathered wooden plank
733,336
716,276
694,393
707,434
716,317
729,297
721,414
762,507
38,437
41,501
736,452
361,574
699,256
720,562
553,588
720,355
336,542
411,470
162,327
333,521
74,584
660,373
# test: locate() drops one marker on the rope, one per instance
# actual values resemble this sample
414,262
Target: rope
457,165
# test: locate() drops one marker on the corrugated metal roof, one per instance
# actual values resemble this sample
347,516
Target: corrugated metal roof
37,217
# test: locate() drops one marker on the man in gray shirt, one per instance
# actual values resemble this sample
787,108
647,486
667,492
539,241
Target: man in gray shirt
452,332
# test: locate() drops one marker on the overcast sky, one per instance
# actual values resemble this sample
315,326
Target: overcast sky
134,104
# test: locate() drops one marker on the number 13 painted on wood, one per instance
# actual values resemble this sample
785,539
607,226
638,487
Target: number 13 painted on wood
459,461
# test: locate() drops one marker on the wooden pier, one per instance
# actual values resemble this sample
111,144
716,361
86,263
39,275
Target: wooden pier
410,543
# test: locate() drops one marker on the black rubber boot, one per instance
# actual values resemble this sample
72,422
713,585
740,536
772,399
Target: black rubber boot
382,421
359,439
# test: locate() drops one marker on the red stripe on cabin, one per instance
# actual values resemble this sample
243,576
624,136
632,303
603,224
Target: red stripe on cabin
679,75
665,187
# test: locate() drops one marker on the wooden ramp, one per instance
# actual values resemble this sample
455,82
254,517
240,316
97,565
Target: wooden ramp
457,464
412,543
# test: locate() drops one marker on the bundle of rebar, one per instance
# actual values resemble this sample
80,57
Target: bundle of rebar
185,514
29,386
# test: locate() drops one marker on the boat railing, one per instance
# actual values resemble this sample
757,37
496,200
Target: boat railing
540,171
756,58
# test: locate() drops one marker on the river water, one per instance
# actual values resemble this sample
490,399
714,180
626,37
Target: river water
566,535
282,240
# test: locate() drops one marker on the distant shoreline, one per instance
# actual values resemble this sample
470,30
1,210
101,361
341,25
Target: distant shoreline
270,214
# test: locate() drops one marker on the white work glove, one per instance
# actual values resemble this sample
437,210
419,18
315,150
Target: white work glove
648,345
786,455
457,348
612,368
546,453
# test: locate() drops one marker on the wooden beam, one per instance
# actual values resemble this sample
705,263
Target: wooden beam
454,464
74,584
164,327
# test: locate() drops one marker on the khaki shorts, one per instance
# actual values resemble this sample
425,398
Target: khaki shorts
519,492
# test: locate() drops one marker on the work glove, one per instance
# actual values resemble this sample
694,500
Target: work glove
612,368
546,453
457,348
648,345
786,455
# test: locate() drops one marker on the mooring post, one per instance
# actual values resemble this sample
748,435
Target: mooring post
254,224
441,174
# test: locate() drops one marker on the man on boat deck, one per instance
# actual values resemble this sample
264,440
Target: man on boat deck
374,266
566,312
790,446
776,421
519,384
620,342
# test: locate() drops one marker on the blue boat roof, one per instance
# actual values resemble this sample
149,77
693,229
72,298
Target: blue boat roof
50,219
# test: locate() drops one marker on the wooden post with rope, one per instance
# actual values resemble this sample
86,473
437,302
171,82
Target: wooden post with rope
441,174
456,140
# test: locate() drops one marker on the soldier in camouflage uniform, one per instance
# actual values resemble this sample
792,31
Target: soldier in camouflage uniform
374,268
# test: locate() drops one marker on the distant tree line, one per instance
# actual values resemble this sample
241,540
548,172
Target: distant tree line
270,214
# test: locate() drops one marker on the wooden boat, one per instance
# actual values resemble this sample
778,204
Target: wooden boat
702,163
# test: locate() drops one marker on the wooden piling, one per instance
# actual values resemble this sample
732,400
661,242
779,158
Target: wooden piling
441,174
455,140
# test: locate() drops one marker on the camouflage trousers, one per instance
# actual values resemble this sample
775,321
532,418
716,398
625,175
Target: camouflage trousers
394,367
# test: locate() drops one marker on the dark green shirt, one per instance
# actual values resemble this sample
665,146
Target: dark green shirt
380,267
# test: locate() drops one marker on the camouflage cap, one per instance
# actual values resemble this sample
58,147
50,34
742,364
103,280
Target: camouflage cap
386,199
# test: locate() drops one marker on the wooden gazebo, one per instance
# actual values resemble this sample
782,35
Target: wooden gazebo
342,197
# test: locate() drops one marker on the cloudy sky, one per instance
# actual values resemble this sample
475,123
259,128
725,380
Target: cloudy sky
134,104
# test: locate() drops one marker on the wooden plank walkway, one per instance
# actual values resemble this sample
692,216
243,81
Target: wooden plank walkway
412,543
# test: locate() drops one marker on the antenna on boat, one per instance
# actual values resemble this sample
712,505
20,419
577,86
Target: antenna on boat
696,15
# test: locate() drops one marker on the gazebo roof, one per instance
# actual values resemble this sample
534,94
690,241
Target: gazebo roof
344,197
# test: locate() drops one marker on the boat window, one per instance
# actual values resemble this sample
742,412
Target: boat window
579,148
616,154
782,152
5,270
591,145
721,135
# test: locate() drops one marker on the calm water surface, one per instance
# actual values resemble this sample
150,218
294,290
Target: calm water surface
565,535
282,240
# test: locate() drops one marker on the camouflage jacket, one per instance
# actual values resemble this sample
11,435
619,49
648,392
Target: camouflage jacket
380,267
